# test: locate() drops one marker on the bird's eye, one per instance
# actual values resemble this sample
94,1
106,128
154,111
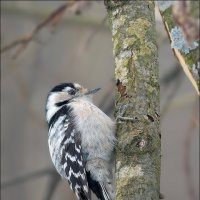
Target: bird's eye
72,92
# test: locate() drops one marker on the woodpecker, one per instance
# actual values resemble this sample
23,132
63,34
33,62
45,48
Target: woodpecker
81,141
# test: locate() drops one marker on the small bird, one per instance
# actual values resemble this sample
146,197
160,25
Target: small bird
81,141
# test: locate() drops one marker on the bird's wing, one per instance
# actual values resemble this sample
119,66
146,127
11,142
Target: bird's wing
66,152
72,161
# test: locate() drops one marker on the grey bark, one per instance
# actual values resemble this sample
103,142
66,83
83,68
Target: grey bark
137,99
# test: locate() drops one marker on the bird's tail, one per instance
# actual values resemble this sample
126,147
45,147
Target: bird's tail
98,188
104,192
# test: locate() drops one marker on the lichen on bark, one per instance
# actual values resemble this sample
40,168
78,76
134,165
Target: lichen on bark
136,73
188,60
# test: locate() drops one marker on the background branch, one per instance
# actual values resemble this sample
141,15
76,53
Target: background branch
177,83
181,11
54,19
187,54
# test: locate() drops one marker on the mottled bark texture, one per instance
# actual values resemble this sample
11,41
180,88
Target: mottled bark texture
178,25
137,99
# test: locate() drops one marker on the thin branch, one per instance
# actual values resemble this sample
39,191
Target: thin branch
54,18
27,177
180,57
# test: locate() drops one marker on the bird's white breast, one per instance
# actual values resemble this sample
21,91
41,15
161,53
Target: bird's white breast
96,128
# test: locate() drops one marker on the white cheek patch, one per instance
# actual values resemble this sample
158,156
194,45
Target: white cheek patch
51,112
50,102
67,89
51,99
51,108
76,85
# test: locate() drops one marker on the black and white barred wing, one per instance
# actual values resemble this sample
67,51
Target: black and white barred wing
74,166
66,154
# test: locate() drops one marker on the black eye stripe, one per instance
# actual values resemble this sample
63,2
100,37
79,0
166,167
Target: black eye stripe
62,103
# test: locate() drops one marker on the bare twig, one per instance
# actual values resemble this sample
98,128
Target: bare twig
187,147
54,18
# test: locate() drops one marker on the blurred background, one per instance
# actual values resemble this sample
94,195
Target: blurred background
79,49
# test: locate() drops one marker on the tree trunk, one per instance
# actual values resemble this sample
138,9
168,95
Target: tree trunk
137,99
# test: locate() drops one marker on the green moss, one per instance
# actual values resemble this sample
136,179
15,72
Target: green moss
192,57
128,42
138,28
150,88
145,50
169,18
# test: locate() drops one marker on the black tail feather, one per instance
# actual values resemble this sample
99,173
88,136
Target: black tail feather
98,189
83,196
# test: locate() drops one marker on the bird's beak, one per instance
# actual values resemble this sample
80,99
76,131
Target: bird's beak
93,91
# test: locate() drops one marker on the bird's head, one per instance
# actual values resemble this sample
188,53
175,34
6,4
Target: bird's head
63,94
